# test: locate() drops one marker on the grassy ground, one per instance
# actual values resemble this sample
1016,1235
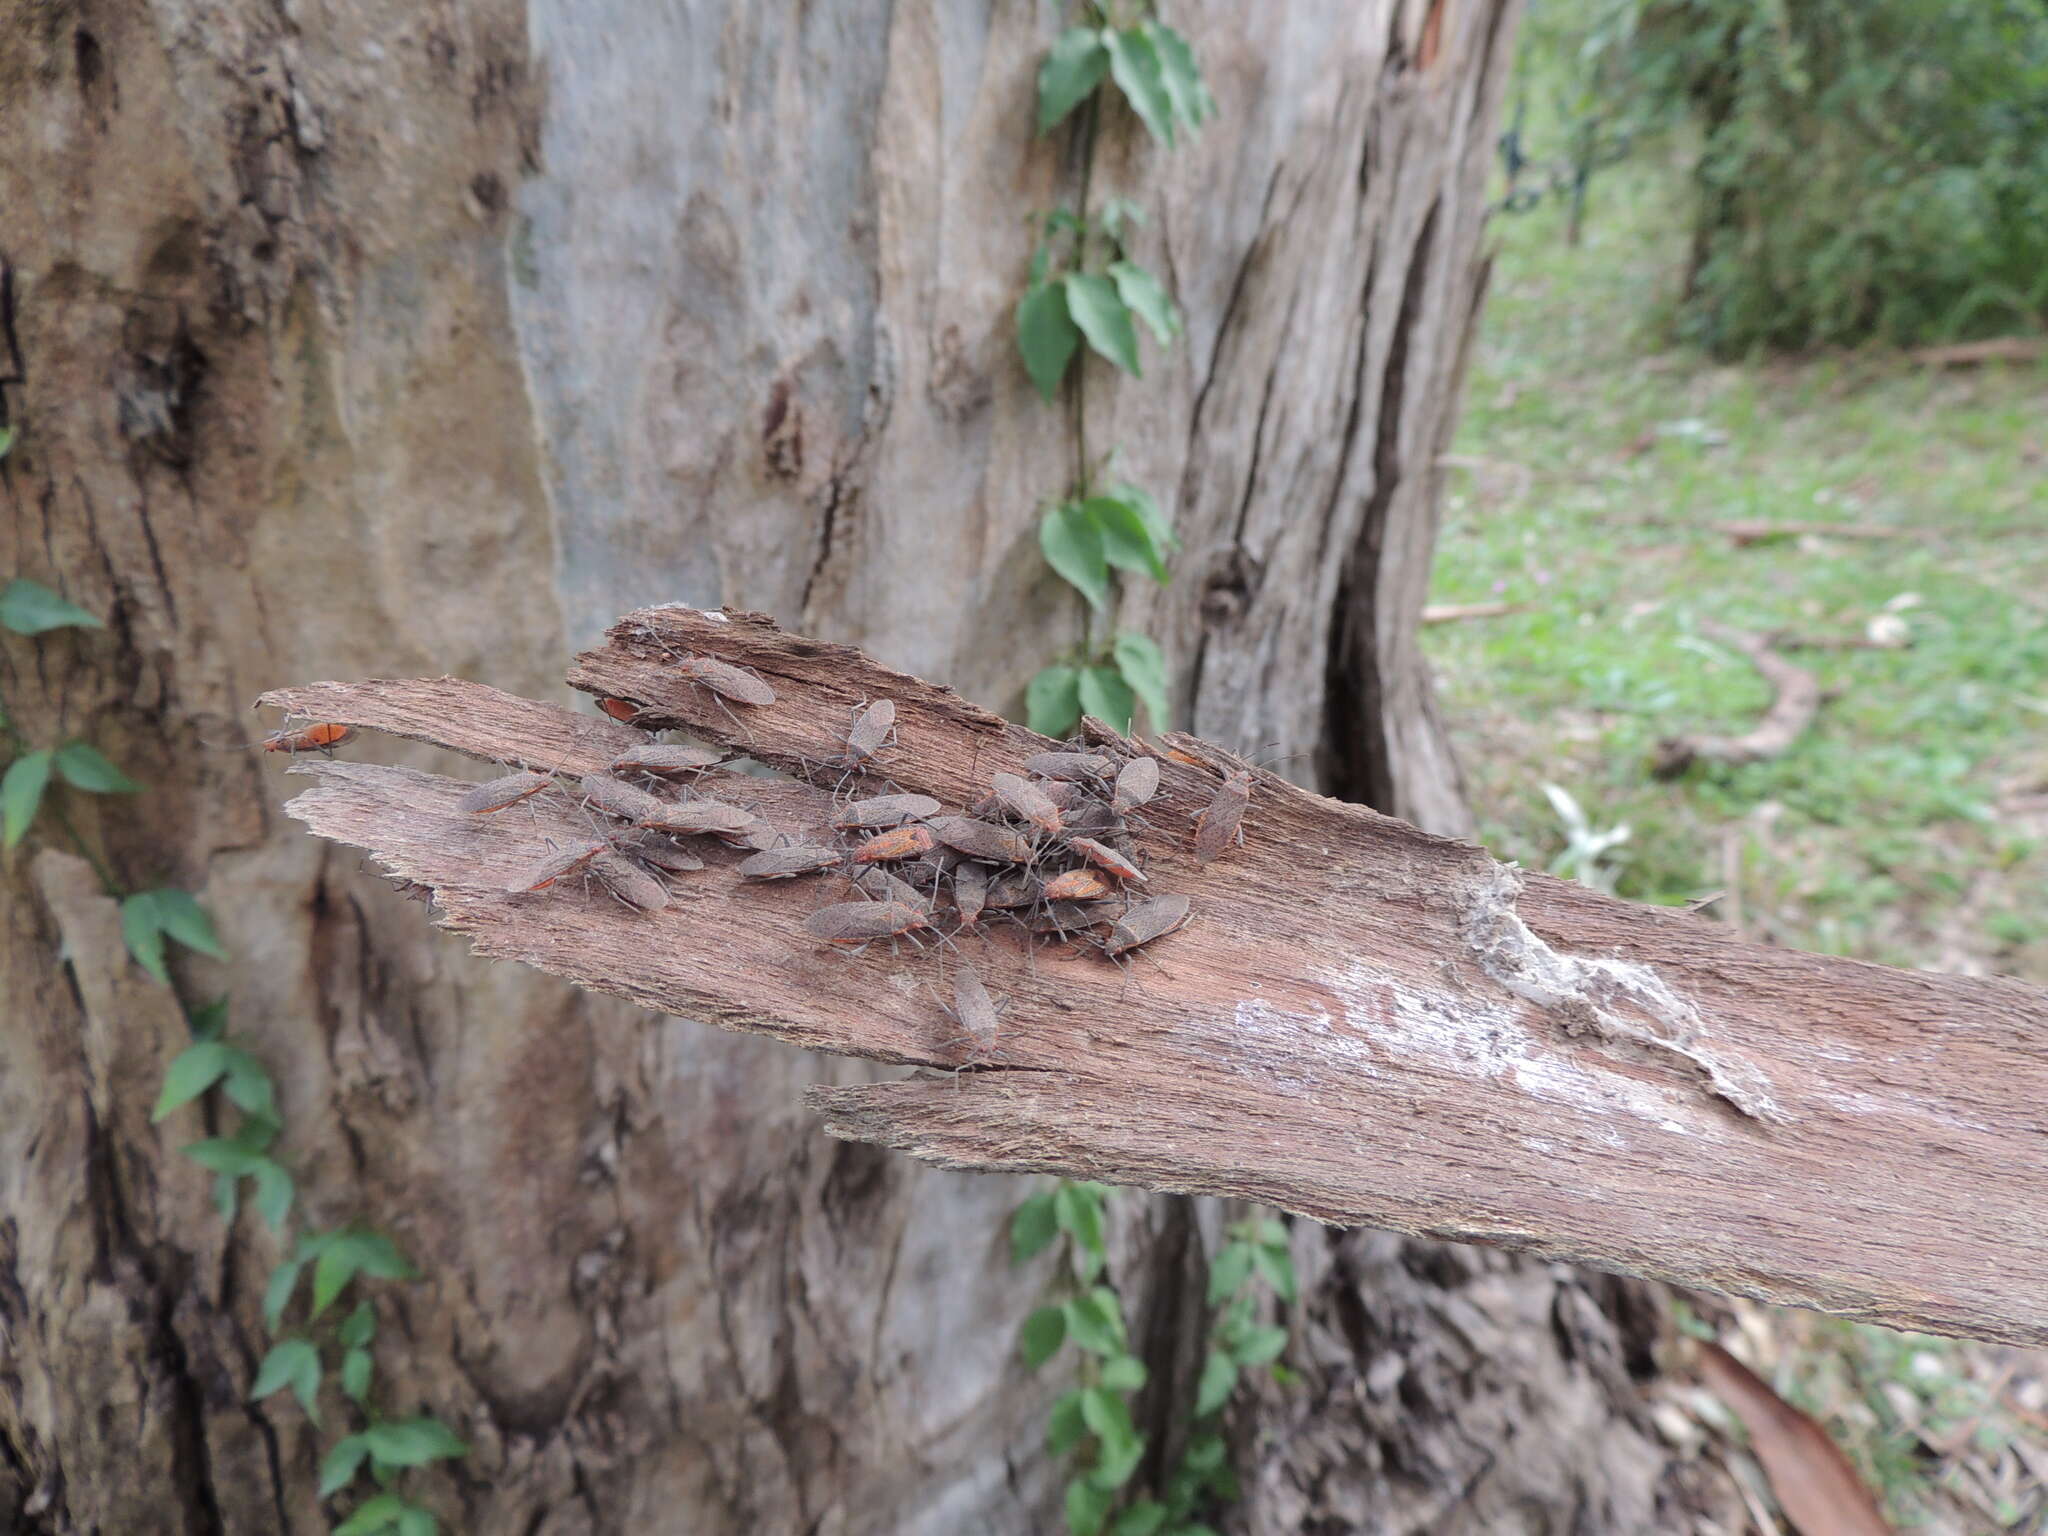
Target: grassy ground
1909,825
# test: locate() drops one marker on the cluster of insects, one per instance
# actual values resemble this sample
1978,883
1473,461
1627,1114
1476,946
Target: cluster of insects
1047,852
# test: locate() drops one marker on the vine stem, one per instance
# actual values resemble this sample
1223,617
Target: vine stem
108,883
1089,124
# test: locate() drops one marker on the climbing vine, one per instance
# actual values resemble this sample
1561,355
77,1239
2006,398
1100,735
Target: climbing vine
1085,289
215,1064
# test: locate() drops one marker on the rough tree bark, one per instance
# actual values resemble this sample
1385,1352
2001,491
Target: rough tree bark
360,337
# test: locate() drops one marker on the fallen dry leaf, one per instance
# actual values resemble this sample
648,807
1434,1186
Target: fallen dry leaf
1813,1481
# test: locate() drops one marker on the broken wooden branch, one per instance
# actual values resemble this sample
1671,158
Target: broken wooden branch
1791,712
1362,1023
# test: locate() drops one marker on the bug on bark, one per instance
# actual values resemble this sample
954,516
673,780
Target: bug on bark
1078,885
853,924
975,1012
1068,917
629,882
557,866
878,884
1016,889
1136,783
666,762
497,794
322,737
788,863
617,798
1102,856
983,840
657,850
1069,765
1027,801
697,818
623,710
884,811
970,892
726,680
907,842
1223,818
1145,921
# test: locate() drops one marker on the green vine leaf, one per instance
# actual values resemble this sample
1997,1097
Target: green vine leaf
1106,696
347,1253
361,1326
277,1295
1087,1507
86,768
1232,1268
413,1442
1126,1373
1072,543
1095,1321
1147,508
385,1512
193,1070
1219,1379
1072,69
340,1465
1143,1518
21,793
7,436
1134,65
1033,1225
1143,666
1126,538
293,1363
1052,702
1181,75
1143,295
1046,336
1260,1346
29,608
1043,1333
274,1192
355,1375
149,915
1099,311
181,916
1064,1426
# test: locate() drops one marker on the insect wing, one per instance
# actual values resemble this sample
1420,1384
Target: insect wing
1136,784
496,794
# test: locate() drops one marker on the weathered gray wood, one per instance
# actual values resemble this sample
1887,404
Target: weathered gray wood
1363,1023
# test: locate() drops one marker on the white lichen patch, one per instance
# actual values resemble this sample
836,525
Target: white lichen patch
1611,999
1481,1038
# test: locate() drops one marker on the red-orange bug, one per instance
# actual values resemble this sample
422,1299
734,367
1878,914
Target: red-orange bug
1077,885
620,709
309,738
897,843
1102,856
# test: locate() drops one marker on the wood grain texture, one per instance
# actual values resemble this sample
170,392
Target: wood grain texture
1363,1023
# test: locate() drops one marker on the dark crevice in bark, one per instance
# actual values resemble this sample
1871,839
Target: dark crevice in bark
1354,755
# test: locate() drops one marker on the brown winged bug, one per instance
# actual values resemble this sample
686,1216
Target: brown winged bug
696,818
970,892
1069,765
617,798
1010,891
1136,783
623,710
983,840
723,681
557,866
656,850
1223,818
667,762
1027,801
906,842
324,737
1145,921
856,924
788,863
629,882
883,812
878,884
976,1014
497,794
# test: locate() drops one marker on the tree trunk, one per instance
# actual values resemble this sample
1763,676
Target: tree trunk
376,338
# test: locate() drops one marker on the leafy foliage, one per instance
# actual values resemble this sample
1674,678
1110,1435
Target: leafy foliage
1093,1422
29,608
1866,169
1152,64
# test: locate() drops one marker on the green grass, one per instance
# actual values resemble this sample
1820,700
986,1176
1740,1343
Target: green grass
1590,470
1909,825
